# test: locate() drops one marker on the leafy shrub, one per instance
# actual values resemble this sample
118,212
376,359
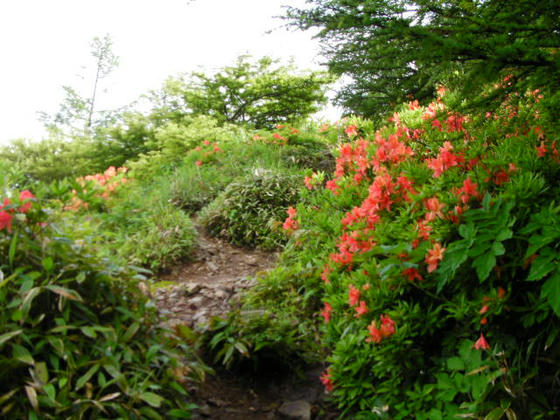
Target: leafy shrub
78,339
160,239
248,211
439,277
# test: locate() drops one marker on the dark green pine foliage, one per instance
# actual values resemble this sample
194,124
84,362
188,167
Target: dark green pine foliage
393,50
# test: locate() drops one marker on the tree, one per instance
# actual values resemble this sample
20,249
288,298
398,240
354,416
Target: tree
258,94
394,49
75,116
106,62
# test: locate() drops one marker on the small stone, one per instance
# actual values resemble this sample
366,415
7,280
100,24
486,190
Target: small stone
191,289
297,410
195,302
251,260
220,294
227,289
205,410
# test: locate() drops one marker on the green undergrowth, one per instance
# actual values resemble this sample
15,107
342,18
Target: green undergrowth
77,337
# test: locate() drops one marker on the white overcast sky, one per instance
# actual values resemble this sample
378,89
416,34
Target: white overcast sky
46,44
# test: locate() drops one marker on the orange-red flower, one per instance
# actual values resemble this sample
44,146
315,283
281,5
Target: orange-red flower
412,274
541,150
326,312
435,255
326,379
24,197
353,295
361,309
351,131
374,333
5,221
481,343
387,326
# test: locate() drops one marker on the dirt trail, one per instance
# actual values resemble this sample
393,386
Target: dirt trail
212,284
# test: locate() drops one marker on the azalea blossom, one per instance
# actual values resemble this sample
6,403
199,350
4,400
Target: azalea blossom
5,221
361,309
435,255
326,379
541,150
501,292
481,343
326,312
353,295
387,326
412,274
24,197
325,274
351,131
374,333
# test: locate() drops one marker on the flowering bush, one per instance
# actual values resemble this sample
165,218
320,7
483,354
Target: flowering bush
436,241
94,189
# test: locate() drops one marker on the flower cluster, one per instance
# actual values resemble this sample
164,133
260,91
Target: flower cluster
206,152
103,184
385,330
281,137
290,224
8,209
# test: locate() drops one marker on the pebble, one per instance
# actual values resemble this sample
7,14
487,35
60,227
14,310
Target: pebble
296,410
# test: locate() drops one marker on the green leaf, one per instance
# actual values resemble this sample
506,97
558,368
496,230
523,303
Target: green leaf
50,391
504,234
541,266
42,372
112,370
479,384
496,414
28,299
484,265
86,376
67,293
153,399
181,414
467,231
12,250
498,248
486,202
7,336
48,264
131,331
455,363
551,290
22,354
89,332
536,242
149,412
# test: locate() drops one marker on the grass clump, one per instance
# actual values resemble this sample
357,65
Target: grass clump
250,210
